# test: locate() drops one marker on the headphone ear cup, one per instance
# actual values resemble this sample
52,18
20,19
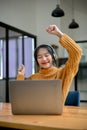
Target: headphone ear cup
54,54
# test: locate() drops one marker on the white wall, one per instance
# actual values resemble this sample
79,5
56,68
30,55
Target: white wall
80,15
34,16
19,13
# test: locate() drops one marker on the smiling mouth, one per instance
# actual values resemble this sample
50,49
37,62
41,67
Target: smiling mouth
45,63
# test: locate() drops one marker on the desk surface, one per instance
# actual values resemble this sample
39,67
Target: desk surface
73,118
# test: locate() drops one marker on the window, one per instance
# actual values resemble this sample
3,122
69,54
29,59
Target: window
1,60
16,56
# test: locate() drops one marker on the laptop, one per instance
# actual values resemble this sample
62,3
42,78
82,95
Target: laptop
35,97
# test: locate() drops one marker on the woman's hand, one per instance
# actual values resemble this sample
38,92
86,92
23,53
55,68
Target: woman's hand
21,70
53,29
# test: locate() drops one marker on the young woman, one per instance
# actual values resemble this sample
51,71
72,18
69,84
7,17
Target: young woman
44,56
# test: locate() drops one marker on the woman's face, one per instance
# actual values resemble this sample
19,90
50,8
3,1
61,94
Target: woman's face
44,58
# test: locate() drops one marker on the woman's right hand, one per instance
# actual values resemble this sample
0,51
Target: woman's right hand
21,70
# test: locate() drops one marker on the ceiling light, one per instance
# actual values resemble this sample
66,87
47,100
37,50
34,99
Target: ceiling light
57,12
73,24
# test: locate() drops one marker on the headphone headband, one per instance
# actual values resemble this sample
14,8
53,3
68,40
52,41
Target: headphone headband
43,45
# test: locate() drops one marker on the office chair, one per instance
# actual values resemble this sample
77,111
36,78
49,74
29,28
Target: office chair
73,98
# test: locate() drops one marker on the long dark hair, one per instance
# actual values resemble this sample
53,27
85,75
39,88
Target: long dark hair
49,49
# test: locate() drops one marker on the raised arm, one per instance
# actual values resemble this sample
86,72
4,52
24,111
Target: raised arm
70,69
69,44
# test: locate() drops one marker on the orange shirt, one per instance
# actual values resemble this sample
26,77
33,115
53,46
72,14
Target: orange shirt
65,73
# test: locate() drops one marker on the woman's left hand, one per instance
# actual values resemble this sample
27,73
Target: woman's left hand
53,29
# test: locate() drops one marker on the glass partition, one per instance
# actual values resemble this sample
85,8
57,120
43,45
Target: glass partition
16,48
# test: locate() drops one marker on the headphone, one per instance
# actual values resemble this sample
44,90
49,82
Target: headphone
44,46
54,53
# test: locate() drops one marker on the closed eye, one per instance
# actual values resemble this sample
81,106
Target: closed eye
41,56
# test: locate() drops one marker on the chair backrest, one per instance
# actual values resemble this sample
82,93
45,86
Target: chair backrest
73,98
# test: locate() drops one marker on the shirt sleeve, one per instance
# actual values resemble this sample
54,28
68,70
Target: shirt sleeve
74,52
71,66
20,77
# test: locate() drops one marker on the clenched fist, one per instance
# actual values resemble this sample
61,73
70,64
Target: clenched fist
53,29
21,69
